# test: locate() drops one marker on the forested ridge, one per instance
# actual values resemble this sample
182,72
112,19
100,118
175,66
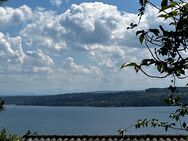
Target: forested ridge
148,97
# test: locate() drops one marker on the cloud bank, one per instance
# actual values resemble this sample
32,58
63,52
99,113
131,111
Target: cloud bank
81,48
11,16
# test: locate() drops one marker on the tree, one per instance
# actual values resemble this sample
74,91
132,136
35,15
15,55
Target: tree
1,103
5,137
168,49
2,1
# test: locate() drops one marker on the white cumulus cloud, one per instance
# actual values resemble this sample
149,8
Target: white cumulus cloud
85,45
14,60
71,66
11,52
44,31
10,16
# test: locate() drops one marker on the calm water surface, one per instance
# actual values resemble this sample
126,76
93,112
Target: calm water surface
80,120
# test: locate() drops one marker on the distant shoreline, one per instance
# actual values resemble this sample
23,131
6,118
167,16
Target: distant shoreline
84,106
149,97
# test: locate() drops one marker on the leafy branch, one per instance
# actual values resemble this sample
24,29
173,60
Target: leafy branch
168,51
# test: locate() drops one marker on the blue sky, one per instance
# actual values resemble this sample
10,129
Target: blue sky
59,46
130,6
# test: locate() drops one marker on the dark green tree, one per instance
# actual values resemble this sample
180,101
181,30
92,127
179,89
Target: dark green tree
5,137
1,103
168,48
2,1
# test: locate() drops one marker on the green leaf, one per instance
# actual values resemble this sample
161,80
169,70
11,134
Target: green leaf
128,65
184,125
164,3
165,16
154,31
166,127
172,23
173,124
140,31
147,62
141,38
160,67
182,72
168,15
179,72
172,13
136,67
171,5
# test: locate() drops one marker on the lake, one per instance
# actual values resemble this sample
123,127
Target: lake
80,120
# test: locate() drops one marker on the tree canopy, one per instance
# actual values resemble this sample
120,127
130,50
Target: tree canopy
2,1
167,47
168,50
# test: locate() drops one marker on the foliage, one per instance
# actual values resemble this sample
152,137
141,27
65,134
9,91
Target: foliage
168,49
5,137
2,1
1,103
168,46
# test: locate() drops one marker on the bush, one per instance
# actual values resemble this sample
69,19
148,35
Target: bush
5,137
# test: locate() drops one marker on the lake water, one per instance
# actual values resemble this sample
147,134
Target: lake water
80,120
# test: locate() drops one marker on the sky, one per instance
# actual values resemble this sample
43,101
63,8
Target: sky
62,46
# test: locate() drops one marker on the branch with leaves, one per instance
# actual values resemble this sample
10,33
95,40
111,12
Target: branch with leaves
167,47
168,50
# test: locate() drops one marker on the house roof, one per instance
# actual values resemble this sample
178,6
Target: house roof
107,138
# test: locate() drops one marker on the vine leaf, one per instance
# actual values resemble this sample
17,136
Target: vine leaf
141,38
164,3
136,66
154,31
